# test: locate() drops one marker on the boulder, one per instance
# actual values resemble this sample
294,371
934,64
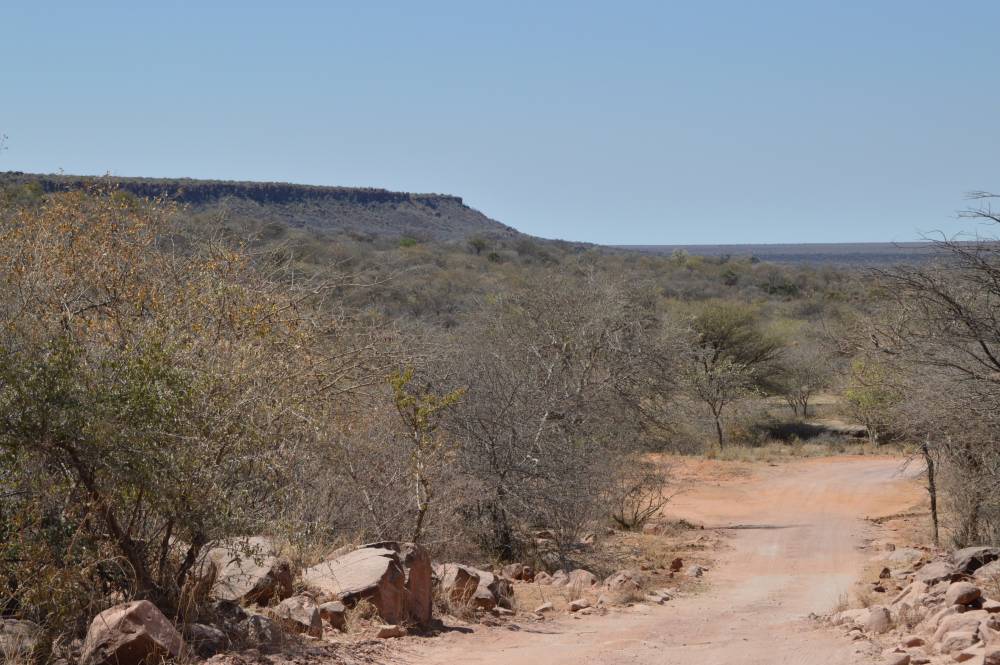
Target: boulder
973,652
518,571
582,578
205,640
261,631
459,583
962,593
559,578
956,640
298,614
879,620
959,622
130,634
625,580
992,655
578,604
988,573
18,639
912,641
543,608
543,578
334,613
934,572
897,659
389,632
676,565
971,559
852,618
247,571
905,555
499,588
394,577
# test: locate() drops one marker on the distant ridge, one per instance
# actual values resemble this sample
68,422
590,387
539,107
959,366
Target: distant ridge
848,254
358,210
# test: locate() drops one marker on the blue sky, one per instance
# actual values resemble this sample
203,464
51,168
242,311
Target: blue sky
613,122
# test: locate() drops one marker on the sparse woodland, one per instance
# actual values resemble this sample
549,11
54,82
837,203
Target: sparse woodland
170,380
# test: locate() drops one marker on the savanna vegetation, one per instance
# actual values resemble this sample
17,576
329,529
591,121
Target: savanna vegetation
168,380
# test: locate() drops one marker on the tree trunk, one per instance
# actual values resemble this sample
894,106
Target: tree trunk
931,488
718,432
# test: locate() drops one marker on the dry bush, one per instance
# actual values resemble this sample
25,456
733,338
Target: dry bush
636,493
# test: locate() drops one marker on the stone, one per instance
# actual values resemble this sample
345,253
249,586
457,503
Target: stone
912,641
897,659
885,574
559,578
971,653
991,606
578,604
991,656
18,639
262,631
676,565
879,620
298,614
389,632
962,593
695,571
988,573
247,571
582,578
970,559
335,614
459,583
543,578
395,577
131,634
934,572
956,641
205,640
625,580
905,555
959,622
855,617
500,588
543,608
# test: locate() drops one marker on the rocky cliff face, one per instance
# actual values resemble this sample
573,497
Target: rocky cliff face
355,209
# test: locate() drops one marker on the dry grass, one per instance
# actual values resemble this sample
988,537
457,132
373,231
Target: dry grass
777,451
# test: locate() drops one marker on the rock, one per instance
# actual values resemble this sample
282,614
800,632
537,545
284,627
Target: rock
543,608
991,606
988,573
247,571
962,593
856,617
298,614
912,641
905,555
130,634
885,574
968,654
935,571
956,641
389,632
394,577
582,578
959,622
559,578
18,640
971,559
992,655
514,571
676,565
695,571
206,641
578,604
261,631
543,578
879,620
458,582
897,659
334,613
500,588
625,580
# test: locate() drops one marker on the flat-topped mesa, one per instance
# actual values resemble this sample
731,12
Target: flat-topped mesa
198,192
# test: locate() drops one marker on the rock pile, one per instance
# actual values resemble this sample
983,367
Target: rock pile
941,614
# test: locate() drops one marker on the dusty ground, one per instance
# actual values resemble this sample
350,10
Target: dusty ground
796,531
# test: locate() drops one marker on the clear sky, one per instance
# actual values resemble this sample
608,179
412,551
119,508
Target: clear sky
616,122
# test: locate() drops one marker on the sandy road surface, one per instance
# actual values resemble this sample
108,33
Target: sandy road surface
796,553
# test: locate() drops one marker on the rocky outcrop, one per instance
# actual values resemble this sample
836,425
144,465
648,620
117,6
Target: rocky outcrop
394,577
134,633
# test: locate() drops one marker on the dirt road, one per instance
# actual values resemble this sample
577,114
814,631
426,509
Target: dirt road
796,552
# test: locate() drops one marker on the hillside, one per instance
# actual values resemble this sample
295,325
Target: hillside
359,211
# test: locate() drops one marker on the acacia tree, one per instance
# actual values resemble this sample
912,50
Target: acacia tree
731,358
